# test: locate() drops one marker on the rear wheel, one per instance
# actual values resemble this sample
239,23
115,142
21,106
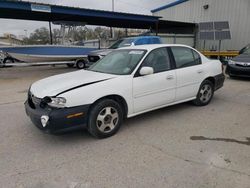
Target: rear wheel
81,64
8,60
205,93
105,118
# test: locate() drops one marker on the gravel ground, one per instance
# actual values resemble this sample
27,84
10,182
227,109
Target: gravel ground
178,146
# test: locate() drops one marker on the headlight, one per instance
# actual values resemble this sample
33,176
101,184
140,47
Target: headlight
231,62
58,102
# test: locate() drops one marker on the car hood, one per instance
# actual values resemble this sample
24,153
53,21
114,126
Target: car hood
242,58
101,52
55,85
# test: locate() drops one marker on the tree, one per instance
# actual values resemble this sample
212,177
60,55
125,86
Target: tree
39,36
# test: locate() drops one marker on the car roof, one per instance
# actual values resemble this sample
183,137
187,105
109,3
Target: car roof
139,37
153,46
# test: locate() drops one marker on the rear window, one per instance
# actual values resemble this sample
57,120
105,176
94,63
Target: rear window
185,57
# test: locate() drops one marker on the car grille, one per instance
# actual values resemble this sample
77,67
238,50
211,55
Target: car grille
243,64
93,58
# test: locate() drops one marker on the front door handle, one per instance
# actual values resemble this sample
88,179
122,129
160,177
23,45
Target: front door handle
170,77
200,71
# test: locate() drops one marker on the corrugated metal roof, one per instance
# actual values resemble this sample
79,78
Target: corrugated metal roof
45,12
168,5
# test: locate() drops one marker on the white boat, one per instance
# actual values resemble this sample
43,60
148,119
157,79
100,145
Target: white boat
47,53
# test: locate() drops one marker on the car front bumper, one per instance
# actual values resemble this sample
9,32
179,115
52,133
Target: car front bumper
236,70
60,119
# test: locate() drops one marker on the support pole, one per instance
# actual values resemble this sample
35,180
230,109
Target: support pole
111,29
50,33
219,49
157,28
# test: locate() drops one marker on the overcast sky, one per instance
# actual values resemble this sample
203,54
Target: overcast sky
19,27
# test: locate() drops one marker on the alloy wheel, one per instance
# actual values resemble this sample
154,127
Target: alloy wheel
205,93
107,119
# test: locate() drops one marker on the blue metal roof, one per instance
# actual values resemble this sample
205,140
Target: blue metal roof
168,5
45,12
55,13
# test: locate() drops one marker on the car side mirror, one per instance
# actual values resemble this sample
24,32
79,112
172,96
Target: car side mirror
146,71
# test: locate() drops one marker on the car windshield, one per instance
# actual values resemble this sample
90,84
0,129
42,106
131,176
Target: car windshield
122,43
247,51
120,62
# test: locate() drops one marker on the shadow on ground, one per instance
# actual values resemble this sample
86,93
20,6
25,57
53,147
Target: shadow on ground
247,142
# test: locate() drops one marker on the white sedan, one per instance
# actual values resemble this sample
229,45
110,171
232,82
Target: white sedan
126,83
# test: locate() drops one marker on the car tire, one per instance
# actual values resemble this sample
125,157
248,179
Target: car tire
81,64
205,94
8,60
105,118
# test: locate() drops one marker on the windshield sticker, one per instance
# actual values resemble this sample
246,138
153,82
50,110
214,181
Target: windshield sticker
136,52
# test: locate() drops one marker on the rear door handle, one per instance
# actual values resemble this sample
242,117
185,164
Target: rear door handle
200,71
170,77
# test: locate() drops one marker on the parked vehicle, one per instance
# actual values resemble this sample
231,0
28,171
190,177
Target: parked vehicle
240,65
94,56
49,53
247,47
126,83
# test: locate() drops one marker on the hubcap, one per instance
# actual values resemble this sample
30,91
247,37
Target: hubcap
205,93
107,119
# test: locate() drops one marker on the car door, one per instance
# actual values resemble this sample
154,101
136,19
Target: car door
157,89
189,72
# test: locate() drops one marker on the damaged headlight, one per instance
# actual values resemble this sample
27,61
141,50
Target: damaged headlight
57,102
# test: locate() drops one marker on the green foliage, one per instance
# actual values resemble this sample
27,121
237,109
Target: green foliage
42,36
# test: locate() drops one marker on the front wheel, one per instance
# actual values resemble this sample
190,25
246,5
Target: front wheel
205,93
105,118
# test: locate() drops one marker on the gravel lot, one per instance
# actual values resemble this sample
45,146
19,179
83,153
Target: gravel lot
178,146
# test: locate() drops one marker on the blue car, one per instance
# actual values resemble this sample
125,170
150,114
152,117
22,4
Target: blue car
94,56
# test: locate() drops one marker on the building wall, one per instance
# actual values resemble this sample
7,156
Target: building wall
237,12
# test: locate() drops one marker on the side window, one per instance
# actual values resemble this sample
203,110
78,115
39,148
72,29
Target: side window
158,59
197,58
185,57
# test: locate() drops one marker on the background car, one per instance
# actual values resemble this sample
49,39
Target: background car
94,56
240,65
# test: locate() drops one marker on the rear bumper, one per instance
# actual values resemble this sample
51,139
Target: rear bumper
60,120
234,70
219,81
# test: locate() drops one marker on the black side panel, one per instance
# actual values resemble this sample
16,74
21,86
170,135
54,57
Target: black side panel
219,81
